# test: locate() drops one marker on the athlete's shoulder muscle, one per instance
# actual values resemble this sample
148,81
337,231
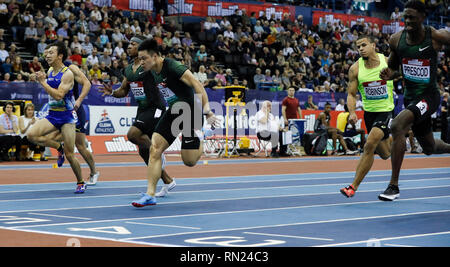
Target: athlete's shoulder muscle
442,36
395,38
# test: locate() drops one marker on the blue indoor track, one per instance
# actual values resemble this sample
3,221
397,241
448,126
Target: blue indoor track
304,209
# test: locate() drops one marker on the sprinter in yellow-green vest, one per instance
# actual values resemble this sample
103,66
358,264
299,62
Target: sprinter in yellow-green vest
378,105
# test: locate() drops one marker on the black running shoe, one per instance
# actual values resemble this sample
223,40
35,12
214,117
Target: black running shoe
391,193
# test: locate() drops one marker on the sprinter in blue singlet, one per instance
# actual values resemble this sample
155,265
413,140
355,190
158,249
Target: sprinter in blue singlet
62,115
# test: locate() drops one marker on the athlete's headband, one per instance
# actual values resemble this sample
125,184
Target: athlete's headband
137,40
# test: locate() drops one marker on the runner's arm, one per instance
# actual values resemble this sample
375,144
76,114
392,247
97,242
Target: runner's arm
83,80
442,36
122,91
352,91
64,87
189,79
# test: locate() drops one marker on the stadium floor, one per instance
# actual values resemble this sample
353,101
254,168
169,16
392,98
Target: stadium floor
240,202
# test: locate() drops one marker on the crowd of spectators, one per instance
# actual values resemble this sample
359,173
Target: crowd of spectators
247,49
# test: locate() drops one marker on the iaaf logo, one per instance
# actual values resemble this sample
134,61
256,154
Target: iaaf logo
119,144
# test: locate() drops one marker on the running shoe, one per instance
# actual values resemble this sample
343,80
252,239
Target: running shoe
391,193
93,178
80,188
145,200
61,157
348,191
165,189
351,152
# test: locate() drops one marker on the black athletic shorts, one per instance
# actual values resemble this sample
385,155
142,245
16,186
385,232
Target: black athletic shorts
378,119
80,126
423,108
147,120
172,123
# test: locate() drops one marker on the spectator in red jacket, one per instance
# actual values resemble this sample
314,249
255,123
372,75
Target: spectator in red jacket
160,17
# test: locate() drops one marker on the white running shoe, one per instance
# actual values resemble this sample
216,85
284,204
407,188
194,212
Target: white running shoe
93,178
166,188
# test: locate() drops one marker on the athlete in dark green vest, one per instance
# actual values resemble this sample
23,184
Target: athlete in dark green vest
151,107
414,50
179,87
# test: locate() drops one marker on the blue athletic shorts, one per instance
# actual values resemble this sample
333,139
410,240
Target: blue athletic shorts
59,118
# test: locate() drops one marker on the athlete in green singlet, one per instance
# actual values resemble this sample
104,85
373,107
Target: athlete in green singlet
150,108
179,87
378,104
415,50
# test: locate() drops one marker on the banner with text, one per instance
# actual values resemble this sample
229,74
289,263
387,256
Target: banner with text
107,120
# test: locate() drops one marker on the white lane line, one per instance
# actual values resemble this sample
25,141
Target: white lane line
386,239
396,245
227,212
246,189
290,236
59,216
246,198
302,223
342,175
165,225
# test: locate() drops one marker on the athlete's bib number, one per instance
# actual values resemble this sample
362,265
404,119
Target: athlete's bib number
416,70
137,88
376,90
167,94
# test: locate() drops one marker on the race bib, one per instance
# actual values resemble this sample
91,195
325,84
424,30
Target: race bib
74,114
137,88
422,106
167,94
376,90
416,70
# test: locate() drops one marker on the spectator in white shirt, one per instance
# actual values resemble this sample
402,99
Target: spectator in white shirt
3,53
229,32
359,103
341,105
96,13
92,58
87,46
51,20
267,126
117,36
201,75
176,39
3,9
8,130
75,43
224,23
118,51
135,27
396,15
